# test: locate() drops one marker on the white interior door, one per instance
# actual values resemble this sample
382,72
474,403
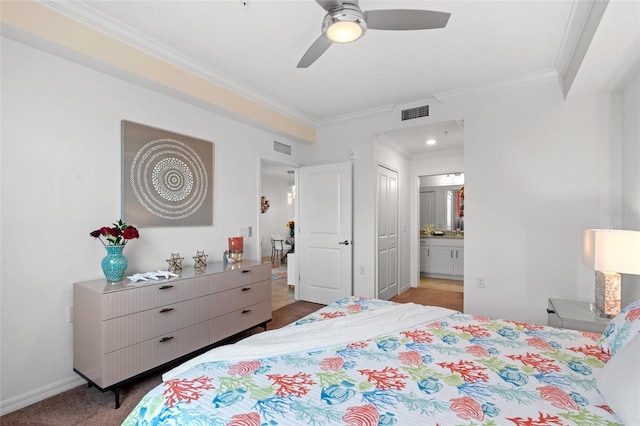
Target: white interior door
387,233
324,235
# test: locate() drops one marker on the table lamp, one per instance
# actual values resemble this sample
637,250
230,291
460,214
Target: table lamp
610,252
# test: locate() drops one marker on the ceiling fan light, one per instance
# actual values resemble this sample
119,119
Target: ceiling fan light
344,25
344,32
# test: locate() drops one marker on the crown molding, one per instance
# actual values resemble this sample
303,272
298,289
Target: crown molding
87,15
537,78
386,140
479,90
356,115
444,153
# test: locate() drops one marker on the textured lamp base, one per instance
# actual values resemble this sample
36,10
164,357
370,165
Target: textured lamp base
607,294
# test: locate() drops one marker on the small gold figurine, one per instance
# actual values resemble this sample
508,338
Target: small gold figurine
175,263
200,260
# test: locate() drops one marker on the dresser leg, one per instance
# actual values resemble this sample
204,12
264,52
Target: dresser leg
116,391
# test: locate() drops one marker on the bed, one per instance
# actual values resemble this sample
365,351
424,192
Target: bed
365,361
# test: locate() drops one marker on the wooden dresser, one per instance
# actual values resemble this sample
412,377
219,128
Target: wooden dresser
123,330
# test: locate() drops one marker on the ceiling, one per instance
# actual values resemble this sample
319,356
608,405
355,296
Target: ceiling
449,135
253,46
258,46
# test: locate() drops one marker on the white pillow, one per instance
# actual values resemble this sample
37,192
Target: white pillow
619,382
621,328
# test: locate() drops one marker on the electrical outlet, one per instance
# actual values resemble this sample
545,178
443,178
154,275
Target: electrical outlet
480,282
70,314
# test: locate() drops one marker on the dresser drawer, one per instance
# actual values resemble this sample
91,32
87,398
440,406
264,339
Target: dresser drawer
231,300
132,360
128,330
240,320
239,277
119,303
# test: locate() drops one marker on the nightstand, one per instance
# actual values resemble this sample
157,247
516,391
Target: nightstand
575,315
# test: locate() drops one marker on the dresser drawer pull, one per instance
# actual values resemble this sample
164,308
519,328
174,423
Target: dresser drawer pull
246,288
166,339
165,310
246,271
550,311
246,311
165,287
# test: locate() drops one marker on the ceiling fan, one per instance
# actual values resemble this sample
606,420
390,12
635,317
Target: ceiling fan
346,22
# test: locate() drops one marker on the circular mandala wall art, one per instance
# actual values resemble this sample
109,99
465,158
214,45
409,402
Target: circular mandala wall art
169,179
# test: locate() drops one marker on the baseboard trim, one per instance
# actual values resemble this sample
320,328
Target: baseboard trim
20,401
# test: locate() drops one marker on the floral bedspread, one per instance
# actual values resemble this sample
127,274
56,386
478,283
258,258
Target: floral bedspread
462,370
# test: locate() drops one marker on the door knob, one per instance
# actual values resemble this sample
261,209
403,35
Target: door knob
345,242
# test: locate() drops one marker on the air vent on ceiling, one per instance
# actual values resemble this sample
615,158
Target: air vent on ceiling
417,112
281,148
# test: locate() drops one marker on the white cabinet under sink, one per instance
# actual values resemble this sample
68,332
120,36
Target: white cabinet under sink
458,262
425,261
442,258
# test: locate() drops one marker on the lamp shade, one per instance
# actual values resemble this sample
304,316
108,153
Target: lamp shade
612,250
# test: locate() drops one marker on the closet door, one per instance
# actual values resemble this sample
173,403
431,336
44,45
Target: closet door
387,218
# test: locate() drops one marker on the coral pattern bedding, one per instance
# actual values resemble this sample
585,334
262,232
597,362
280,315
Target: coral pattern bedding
456,369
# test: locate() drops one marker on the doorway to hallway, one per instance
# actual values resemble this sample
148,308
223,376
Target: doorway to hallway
281,291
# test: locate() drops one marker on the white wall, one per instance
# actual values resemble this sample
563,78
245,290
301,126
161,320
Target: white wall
630,210
60,172
537,172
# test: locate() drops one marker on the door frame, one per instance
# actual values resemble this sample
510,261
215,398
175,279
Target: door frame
414,236
279,162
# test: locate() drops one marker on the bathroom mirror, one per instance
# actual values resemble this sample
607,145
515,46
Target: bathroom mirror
442,201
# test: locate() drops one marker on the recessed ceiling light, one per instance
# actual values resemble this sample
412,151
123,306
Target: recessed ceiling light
431,142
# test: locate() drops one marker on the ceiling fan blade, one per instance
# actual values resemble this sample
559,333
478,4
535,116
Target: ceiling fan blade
405,19
315,51
329,5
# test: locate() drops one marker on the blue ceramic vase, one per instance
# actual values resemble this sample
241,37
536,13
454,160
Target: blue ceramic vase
114,264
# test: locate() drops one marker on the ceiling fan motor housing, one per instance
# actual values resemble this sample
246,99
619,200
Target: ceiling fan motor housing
341,20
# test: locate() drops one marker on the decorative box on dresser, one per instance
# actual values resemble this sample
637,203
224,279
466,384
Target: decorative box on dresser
125,329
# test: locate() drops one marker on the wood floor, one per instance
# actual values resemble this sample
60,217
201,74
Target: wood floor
440,284
281,294
431,291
